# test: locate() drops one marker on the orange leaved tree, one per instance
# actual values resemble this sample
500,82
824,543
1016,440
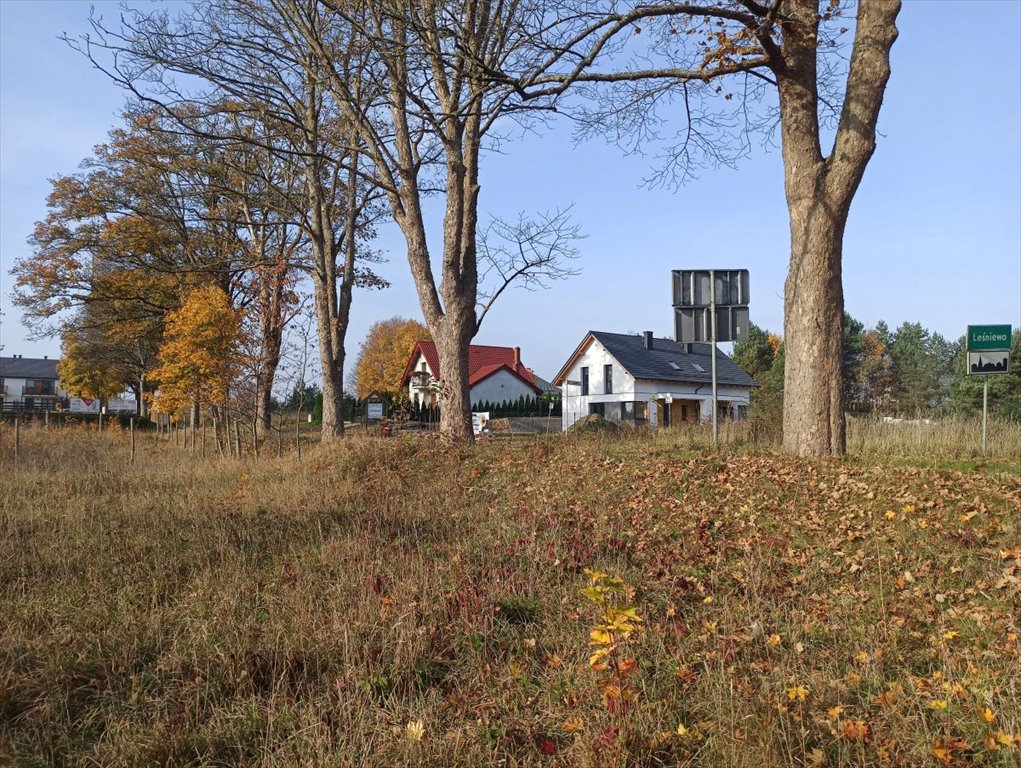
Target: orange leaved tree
202,355
384,353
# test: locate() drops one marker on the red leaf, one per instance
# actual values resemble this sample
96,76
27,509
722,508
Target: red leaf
548,746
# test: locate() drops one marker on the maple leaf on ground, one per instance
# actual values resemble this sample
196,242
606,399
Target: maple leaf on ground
944,750
573,724
855,730
797,692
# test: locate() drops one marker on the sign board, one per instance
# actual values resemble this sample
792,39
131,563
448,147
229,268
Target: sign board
982,337
989,362
692,287
480,422
84,405
374,411
694,324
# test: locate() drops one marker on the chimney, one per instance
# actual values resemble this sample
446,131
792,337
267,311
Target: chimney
689,348
647,339
517,356
46,357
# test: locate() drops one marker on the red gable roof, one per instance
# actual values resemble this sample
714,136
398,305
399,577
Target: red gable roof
483,362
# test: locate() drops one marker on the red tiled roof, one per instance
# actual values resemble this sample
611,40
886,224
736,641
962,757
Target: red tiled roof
483,362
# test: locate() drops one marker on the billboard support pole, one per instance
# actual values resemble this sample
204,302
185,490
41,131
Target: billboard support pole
712,351
985,410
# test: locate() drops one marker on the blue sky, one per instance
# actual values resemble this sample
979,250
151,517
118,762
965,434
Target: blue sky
934,233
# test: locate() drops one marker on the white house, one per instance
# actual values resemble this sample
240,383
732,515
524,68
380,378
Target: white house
643,380
495,374
29,384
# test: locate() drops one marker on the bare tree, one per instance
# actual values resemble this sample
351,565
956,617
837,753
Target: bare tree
428,85
724,71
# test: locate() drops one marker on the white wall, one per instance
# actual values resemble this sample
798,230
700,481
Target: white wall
501,386
576,405
424,395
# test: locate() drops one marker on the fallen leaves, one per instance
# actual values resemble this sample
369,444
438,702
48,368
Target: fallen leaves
947,750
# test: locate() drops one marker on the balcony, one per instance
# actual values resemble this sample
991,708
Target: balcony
43,389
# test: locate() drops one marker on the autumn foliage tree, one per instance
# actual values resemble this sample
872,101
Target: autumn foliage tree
201,357
384,353
86,370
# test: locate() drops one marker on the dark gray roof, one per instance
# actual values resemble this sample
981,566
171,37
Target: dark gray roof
27,368
629,350
544,385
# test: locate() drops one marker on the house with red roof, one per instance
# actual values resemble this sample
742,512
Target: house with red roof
495,374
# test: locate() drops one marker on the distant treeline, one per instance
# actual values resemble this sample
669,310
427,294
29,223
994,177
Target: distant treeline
904,372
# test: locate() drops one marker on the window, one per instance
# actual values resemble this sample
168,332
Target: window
38,387
584,381
607,379
675,366
698,367
597,408
633,411
684,413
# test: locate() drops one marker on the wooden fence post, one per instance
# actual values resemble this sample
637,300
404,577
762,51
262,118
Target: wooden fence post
131,429
17,437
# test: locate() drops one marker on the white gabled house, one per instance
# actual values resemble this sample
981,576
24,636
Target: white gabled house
495,374
639,379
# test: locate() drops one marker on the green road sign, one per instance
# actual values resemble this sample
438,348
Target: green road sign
988,337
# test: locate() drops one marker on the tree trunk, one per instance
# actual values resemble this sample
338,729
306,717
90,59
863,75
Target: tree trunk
453,337
813,412
271,331
819,192
331,361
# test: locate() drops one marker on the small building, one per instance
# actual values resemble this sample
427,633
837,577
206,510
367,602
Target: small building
29,384
495,375
638,379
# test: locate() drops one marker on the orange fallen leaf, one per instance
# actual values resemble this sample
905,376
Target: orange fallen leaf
855,730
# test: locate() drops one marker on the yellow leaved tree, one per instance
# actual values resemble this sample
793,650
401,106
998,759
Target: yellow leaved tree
385,352
202,354
85,370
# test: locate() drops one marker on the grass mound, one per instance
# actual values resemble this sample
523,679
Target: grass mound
593,423
557,602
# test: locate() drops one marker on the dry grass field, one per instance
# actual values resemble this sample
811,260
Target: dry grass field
599,600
